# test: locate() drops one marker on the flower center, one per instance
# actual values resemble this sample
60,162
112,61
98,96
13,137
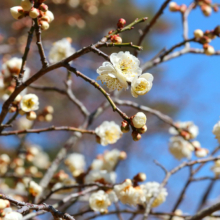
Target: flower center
141,85
111,135
100,203
29,103
126,66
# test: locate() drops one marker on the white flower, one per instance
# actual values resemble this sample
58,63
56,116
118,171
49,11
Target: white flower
216,131
111,159
12,215
109,132
29,103
17,12
23,123
34,188
151,189
139,120
101,176
99,201
141,85
26,5
188,125
76,163
128,194
122,69
61,50
216,167
180,148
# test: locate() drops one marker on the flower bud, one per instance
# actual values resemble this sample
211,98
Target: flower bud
139,120
26,5
183,8
198,33
215,8
125,126
44,25
34,13
48,117
123,155
201,152
142,130
12,109
110,32
121,23
17,12
136,136
205,40
49,109
174,7
116,39
217,30
43,7
50,15
17,99
208,49
20,171
140,177
31,115
206,10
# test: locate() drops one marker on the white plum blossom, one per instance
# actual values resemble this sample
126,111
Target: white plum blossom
100,176
139,120
180,148
188,125
12,215
108,132
151,189
121,70
216,131
128,194
29,103
61,50
17,12
216,167
34,188
142,84
76,163
99,201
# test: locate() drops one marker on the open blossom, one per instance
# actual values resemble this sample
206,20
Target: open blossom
141,85
128,194
61,50
180,148
99,201
122,69
139,120
151,189
109,132
34,188
76,163
216,168
188,125
12,215
29,103
216,131
100,176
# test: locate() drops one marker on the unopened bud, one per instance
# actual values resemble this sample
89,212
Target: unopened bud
173,6
12,109
205,40
208,49
17,12
121,23
26,5
49,109
206,9
183,8
17,99
116,39
110,32
32,170
48,117
43,7
31,115
217,30
201,152
140,177
139,120
34,13
125,126
215,8
142,130
50,15
122,155
136,136
44,25
20,171
198,33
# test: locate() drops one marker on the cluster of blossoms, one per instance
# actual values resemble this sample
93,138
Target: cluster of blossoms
37,10
6,213
180,146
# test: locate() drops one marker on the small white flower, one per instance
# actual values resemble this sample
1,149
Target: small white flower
99,201
101,176
122,69
139,120
109,132
141,85
61,50
216,131
180,148
128,194
151,189
216,168
76,163
29,103
17,12
26,5
34,188
12,215
188,125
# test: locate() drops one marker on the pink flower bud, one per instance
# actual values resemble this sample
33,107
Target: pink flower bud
208,49
43,7
142,130
34,13
125,127
116,39
174,7
121,23
140,177
206,9
136,136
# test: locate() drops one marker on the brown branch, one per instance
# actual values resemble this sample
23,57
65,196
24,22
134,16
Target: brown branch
48,89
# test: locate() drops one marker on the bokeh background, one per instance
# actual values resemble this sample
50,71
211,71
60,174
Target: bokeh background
185,88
